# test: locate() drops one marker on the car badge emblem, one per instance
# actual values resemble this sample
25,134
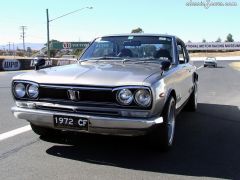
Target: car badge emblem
73,95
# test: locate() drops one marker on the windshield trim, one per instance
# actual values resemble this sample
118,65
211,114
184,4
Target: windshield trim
135,35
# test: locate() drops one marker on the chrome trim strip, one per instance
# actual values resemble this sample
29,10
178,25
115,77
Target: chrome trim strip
74,87
25,81
53,105
131,87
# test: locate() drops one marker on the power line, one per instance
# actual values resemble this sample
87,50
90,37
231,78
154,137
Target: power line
23,35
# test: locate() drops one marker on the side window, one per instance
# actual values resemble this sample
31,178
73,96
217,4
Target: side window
181,54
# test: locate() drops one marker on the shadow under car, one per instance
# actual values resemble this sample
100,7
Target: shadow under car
206,144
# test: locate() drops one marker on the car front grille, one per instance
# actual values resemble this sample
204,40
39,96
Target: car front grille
80,95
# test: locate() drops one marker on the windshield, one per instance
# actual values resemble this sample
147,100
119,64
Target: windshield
130,47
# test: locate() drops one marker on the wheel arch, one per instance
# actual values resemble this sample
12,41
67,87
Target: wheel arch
195,77
170,93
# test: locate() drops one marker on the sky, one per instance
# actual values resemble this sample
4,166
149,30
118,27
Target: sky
112,17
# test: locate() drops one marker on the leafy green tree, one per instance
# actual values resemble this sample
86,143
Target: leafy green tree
229,38
77,52
219,40
204,41
137,30
29,50
53,52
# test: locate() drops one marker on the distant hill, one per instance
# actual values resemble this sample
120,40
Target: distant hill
33,46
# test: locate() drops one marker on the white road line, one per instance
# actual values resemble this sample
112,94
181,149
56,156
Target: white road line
14,132
199,67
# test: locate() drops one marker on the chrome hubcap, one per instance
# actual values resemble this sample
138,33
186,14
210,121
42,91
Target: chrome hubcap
171,123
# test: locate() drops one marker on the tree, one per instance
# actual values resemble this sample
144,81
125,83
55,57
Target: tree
53,52
204,40
137,30
29,50
77,52
229,38
189,41
219,40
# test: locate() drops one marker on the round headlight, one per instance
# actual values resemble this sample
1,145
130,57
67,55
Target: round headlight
143,98
32,91
125,96
19,90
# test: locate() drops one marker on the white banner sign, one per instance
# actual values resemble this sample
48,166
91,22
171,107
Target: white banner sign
214,46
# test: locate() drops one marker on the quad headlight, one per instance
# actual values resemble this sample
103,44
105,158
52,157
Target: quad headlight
25,90
32,91
143,97
125,96
19,90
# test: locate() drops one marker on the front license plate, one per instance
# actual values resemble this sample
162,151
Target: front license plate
71,122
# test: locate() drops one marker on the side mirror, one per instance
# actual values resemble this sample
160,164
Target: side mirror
165,65
38,63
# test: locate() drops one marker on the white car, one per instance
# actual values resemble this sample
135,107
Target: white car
210,61
128,85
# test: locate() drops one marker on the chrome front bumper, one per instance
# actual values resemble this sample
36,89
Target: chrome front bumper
97,124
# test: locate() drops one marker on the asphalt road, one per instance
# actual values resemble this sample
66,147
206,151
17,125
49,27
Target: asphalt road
206,143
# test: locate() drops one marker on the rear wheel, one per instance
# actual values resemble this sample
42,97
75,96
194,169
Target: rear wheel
43,131
162,138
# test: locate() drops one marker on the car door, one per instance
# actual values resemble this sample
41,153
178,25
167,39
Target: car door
185,72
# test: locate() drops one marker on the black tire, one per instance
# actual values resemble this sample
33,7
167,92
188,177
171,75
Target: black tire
162,137
192,101
204,66
43,131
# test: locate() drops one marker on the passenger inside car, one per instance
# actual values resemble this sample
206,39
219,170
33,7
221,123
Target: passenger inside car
163,54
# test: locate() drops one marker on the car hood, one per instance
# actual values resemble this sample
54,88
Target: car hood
210,60
94,74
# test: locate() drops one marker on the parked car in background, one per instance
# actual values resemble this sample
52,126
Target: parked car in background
210,61
129,85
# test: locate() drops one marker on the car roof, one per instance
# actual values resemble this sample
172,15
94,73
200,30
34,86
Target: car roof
140,34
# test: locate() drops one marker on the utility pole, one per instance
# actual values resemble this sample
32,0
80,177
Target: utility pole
14,52
48,21
9,46
48,45
23,35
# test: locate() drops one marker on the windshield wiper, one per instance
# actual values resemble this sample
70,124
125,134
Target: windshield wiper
101,58
142,60
105,58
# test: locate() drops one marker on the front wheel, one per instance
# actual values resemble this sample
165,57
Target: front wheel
164,135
